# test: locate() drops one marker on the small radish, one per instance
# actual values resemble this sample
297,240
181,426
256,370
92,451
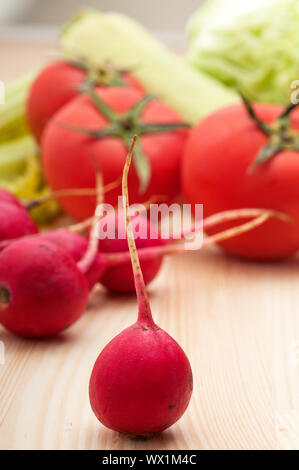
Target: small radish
42,289
141,382
7,196
76,245
119,277
14,221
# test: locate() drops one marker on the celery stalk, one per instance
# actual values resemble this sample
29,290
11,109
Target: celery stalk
112,36
12,112
20,168
13,156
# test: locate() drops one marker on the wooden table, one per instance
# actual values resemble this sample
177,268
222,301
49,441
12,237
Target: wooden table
237,321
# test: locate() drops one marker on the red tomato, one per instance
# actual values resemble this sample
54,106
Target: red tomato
55,86
215,166
68,154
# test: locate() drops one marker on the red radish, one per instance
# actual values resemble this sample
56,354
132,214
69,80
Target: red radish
14,221
141,382
7,196
101,124
60,82
76,245
42,289
118,277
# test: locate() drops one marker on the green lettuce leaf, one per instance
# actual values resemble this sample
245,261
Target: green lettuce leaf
249,46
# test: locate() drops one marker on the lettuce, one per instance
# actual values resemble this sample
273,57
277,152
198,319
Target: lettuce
249,46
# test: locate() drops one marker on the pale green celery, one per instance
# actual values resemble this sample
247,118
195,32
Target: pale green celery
13,156
118,38
12,112
20,168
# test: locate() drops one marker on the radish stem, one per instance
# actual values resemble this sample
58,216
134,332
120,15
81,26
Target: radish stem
144,310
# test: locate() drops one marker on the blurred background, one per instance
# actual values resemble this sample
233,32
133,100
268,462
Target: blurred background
34,18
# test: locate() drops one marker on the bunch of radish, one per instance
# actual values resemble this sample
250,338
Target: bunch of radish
42,289
240,163
141,383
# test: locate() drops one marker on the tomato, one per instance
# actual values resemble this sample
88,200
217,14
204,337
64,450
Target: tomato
58,83
217,171
68,154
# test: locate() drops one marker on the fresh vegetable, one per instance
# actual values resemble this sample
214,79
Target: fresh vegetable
20,170
7,196
61,81
118,276
12,113
249,46
141,382
248,157
76,245
14,221
101,124
42,291
161,72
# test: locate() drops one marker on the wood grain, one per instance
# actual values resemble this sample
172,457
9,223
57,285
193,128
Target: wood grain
237,321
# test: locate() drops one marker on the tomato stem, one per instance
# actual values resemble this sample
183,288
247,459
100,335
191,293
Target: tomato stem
125,126
281,136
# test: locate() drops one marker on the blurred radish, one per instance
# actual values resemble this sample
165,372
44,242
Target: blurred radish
15,221
42,289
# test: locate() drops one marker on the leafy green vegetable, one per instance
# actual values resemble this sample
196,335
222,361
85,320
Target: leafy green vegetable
250,46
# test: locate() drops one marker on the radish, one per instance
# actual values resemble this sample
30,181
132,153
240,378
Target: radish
14,221
118,277
7,196
141,382
76,245
42,289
